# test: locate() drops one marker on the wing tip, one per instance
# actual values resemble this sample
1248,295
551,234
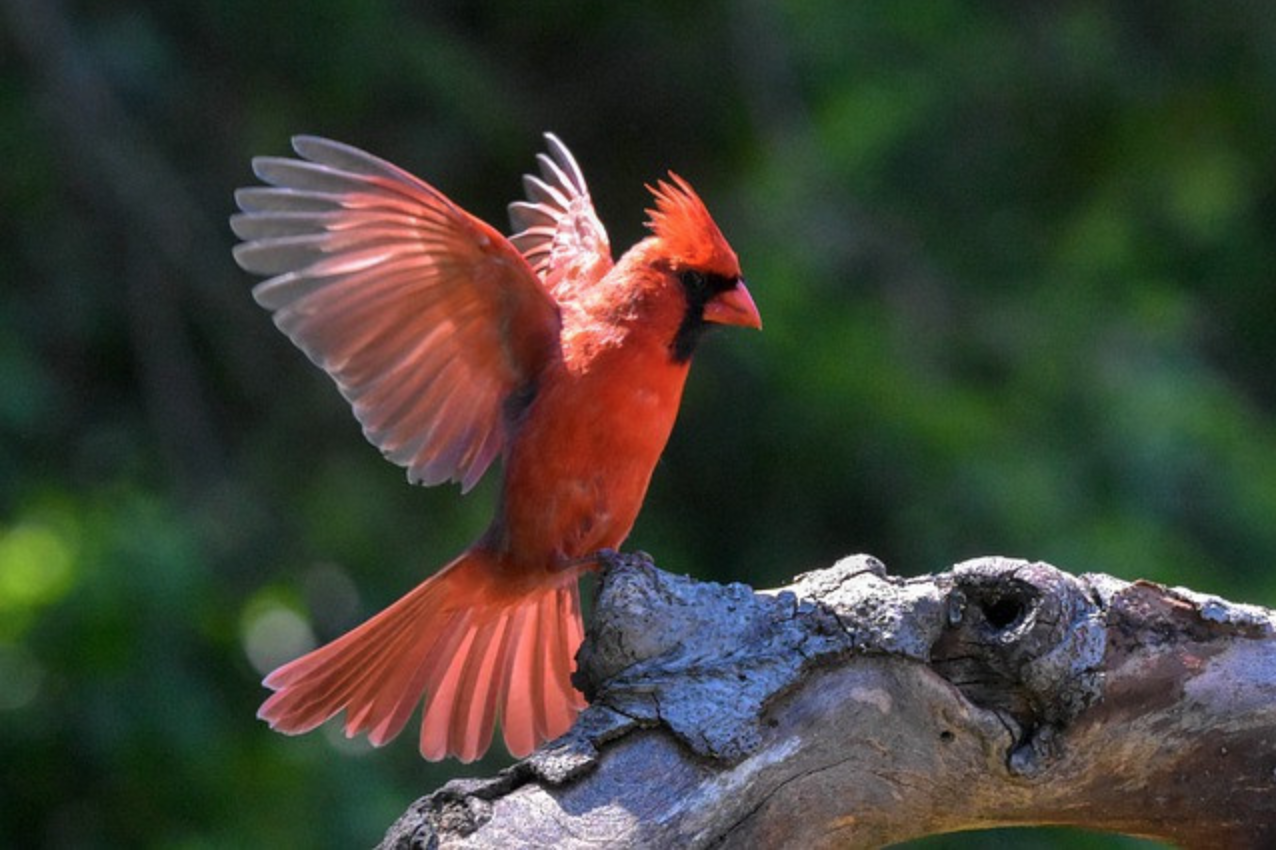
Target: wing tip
312,147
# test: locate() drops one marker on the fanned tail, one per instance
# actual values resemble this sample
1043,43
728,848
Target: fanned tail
474,648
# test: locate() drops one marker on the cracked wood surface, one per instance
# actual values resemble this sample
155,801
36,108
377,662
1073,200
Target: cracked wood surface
857,709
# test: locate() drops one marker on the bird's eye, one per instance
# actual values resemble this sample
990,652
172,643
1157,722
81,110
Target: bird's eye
693,281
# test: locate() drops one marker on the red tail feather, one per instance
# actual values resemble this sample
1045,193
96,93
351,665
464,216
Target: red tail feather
472,649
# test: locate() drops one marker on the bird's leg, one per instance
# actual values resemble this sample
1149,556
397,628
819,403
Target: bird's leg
598,560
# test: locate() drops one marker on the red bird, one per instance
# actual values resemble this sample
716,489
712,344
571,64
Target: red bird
454,345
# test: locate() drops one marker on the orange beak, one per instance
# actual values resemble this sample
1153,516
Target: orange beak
733,307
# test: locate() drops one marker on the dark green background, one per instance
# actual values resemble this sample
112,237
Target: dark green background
1015,262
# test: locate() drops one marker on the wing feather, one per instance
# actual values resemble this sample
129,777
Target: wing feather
557,229
426,318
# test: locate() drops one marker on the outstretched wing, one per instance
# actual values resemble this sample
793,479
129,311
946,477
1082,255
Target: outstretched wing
556,228
427,318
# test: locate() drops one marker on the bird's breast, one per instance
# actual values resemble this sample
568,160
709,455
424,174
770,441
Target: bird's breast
579,462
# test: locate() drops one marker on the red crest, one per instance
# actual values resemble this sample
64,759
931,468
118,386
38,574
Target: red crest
681,221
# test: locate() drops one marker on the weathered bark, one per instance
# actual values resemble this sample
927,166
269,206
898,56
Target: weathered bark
855,709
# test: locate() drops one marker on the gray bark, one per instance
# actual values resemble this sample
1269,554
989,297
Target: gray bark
856,709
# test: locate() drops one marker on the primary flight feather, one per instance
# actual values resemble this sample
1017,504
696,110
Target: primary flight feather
456,345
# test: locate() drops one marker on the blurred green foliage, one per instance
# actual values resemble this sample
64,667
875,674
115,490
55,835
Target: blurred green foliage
1015,262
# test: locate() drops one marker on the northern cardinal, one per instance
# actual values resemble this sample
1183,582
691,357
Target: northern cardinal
454,345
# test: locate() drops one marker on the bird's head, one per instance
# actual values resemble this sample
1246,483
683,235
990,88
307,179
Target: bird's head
694,254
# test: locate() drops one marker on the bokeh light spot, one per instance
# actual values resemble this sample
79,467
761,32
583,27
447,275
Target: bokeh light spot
274,635
22,676
37,567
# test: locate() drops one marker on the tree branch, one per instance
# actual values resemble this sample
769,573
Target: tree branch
858,709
